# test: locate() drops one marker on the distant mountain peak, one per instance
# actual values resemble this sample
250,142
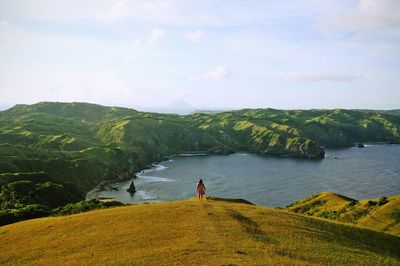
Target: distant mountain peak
180,104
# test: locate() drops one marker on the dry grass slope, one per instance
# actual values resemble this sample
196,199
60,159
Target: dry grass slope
213,232
375,214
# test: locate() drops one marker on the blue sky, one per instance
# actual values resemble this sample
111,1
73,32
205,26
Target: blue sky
213,54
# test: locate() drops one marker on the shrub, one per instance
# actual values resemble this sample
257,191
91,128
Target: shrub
81,206
306,208
395,214
111,203
53,195
382,201
334,215
25,192
32,211
357,214
352,203
17,194
85,205
7,217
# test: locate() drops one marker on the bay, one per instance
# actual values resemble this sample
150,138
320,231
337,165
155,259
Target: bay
359,173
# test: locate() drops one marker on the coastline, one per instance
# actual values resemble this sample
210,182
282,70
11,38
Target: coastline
104,185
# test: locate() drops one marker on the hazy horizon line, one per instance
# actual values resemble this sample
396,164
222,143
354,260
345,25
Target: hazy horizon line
6,106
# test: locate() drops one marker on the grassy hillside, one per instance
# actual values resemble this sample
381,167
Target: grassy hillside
76,146
214,232
390,112
381,214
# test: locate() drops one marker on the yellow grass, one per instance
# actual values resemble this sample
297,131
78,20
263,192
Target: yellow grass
211,232
380,218
377,217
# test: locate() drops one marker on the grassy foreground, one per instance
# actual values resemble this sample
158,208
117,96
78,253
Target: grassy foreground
212,232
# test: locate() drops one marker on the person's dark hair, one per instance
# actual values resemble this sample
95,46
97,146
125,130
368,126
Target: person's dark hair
201,181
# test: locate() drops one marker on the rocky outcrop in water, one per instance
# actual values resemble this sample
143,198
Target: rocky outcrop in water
132,188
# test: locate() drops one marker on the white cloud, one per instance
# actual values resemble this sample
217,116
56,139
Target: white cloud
154,11
155,35
367,15
3,23
220,72
118,10
137,43
104,86
315,77
193,36
217,73
160,11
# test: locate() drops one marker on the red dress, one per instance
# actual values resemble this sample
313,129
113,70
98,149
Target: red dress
201,190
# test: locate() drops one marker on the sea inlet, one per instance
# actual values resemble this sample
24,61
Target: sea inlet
359,173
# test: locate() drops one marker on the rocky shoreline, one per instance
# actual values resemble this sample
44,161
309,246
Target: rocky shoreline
319,153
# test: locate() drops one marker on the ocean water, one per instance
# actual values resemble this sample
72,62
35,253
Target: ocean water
370,172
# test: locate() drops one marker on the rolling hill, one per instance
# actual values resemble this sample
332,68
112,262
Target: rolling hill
212,232
65,149
381,214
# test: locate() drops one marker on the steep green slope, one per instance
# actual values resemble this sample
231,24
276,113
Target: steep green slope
380,214
79,145
216,232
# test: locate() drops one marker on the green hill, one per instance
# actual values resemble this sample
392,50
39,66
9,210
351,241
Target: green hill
390,112
214,232
381,214
76,146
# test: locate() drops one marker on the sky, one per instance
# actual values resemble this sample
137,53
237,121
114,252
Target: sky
208,53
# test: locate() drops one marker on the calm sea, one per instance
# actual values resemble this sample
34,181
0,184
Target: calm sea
359,173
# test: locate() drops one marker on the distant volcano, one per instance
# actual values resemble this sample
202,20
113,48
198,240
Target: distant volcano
180,105
177,107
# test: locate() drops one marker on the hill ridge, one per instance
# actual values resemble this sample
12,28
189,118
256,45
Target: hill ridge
183,232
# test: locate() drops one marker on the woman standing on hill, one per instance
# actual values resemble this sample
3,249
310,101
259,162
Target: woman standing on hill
201,189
